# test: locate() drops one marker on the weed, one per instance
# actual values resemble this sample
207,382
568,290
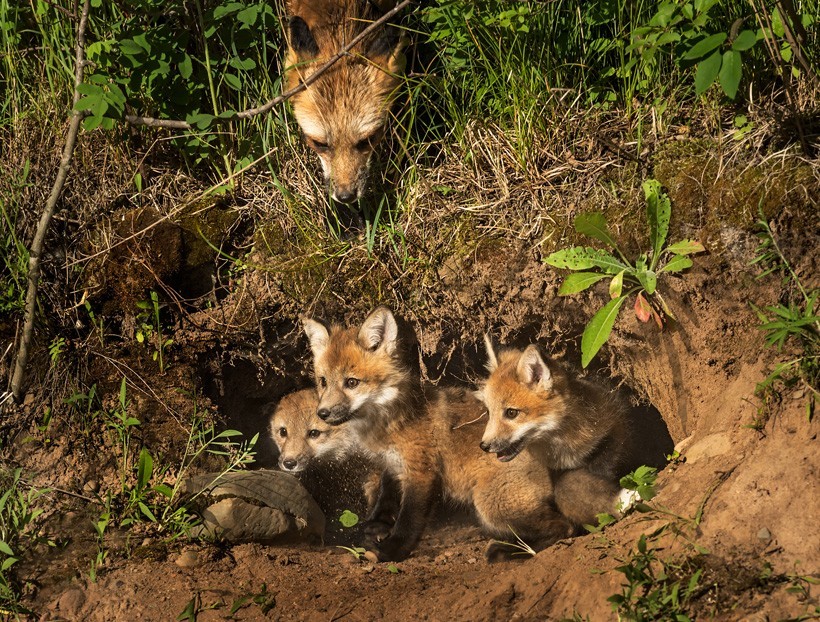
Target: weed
794,321
263,599
641,480
149,329
20,526
655,589
639,277
122,424
356,551
520,547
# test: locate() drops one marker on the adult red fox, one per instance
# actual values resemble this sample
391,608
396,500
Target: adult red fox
426,439
344,113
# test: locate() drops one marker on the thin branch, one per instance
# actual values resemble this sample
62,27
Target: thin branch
176,124
48,212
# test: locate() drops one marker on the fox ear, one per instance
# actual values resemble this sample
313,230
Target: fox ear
386,49
317,335
492,359
533,370
301,40
379,330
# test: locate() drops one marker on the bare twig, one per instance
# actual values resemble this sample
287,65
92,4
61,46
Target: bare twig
176,124
42,227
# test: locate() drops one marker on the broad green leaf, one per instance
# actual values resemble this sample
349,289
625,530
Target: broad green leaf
147,512
348,519
593,224
226,9
658,213
648,279
186,67
745,40
685,247
165,490
706,73
575,258
249,15
705,46
233,81
578,282
616,285
677,264
597,331
730,73
609,263
201,120
130,47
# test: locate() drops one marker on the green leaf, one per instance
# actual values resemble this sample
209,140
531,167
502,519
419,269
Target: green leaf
145,469
730,73
5,548
130,47
233,81
658,213
147,512
685,247
616,285
348,519
597,331
393,568
706,73
593,224
649,280
744,41
578,282
186,67
201,120
678,263
705,46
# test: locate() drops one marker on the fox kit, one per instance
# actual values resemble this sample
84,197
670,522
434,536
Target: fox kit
426,439
576,428
343,113
301,436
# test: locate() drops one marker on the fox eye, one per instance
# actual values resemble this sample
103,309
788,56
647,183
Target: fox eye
318,145
283,432
511,413
314,433
323,382
352,383
369,142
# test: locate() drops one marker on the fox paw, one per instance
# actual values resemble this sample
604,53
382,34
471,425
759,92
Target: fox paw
391,550
377,530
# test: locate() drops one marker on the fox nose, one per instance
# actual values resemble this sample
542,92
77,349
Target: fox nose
323,413
345,195
485,446
289,464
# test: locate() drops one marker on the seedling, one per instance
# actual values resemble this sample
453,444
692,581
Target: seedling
626,278
149,329
356,551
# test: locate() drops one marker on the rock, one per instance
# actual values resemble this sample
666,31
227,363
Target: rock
254,506
91,486
187,559
709,447
371,557
71,602
472,560
764,534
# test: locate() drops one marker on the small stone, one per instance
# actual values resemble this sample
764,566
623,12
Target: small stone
440,559
369,568
472,560
71,602
449,553
147,541
371,557
187,559
764,534
91,485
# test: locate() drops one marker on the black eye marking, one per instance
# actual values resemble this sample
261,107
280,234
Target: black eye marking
314,434
323,382
283,432
511,413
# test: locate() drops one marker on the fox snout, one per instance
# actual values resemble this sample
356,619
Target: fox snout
504,450
334,415
291,464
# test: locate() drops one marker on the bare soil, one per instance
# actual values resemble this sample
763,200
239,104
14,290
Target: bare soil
741,503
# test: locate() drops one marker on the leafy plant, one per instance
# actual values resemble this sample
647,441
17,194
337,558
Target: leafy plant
626,278
655,589
20,526
149,329
794,321
356,551
641,480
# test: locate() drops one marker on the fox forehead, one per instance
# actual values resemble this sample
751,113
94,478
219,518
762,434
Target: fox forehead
504,389
344,355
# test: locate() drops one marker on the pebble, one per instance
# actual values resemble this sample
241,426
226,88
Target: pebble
371,557
764,534
472,560
187,559
91,485
147,542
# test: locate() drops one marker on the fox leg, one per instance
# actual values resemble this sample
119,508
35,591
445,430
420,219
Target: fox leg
581,495
515,512
417,494
383,501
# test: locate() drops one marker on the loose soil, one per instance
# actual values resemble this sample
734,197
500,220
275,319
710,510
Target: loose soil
741,503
